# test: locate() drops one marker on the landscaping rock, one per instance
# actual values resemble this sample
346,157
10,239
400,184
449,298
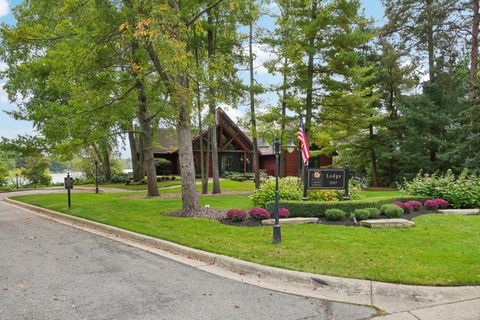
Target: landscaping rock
269,222
387,223
465,212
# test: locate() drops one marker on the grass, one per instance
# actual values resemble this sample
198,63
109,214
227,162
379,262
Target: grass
379,194
440,250
226,185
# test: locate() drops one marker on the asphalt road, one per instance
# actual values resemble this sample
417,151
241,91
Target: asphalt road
51,271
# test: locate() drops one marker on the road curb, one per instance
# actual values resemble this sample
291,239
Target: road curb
383,296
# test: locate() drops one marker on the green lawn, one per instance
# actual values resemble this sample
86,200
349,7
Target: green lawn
226,185
440,250
379,194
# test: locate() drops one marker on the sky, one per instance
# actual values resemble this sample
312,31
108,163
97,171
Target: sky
10,128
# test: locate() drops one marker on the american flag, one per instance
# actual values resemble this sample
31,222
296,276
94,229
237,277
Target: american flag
302,137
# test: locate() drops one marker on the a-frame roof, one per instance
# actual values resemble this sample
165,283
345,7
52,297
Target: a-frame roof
165,138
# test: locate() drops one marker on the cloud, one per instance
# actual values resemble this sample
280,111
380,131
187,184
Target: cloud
233,113
261,56
4,8
3,95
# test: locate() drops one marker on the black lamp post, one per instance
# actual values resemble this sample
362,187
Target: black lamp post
276,138
16,179
96,176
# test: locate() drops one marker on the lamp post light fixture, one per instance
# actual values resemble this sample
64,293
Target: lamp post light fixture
96,176
277,143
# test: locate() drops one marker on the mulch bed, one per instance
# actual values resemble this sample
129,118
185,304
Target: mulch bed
220,215
250,222
209,213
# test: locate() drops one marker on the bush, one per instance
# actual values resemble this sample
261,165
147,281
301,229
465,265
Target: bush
417,205
374,213
3,174
322,195
238,177
36,171
283,213
82,181
318,208
290,189
436,204
406,207
335,214
462,191
120,178
236,215
391,210
259,213
361,214
163,166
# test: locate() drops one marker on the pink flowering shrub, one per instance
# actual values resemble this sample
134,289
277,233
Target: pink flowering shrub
236,215
407,207
436,204
259,213
283,213
417,205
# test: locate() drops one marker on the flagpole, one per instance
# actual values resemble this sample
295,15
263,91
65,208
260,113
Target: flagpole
305,181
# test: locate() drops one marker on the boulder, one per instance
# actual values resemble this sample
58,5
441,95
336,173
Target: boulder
464,212
387,223
286,221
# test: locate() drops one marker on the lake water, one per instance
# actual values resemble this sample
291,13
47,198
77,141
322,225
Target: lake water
58,177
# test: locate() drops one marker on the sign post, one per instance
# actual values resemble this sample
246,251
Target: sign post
68,182
329,179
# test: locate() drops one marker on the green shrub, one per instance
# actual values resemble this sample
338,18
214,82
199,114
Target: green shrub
322,195
374,213
290,189
391,210
238,177
335,214
3,174
120,178
462,191
36,171
361,214
318,208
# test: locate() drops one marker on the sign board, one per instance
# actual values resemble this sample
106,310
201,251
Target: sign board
330,179
68,181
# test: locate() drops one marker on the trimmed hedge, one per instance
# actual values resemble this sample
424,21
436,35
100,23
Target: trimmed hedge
318,208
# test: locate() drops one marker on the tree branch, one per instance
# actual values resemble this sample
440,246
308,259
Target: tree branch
203,12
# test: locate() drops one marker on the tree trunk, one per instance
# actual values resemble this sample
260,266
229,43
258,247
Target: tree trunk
184,133
253,118
148,160
185,155
141,159
373,158
311,56
134,155
474,51
148,163
207,162
199,110
107,170
430,44
212,106
99,157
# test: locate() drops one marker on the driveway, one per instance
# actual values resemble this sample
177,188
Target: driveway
52,271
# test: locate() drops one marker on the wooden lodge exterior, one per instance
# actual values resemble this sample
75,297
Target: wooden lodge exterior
235,151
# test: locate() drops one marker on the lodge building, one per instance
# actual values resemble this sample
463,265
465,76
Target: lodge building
235,151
